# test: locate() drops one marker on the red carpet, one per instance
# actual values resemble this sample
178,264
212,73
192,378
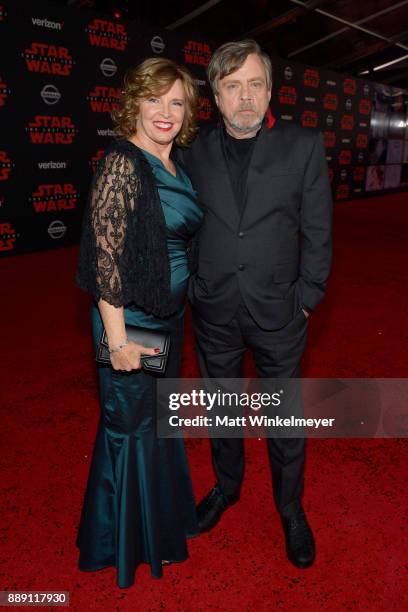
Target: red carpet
355,489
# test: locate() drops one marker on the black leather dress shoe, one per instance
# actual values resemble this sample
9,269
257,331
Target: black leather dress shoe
300,544
210,509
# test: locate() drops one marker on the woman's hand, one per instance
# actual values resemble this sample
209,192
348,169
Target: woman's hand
128,358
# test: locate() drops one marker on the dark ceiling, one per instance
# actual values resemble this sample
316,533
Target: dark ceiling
349,36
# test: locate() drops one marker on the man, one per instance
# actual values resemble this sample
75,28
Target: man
264,259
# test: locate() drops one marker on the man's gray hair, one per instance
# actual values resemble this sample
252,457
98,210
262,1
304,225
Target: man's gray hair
230,57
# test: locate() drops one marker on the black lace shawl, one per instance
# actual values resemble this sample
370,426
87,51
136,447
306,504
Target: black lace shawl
123,255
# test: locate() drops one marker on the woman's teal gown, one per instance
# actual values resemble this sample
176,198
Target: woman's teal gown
139,504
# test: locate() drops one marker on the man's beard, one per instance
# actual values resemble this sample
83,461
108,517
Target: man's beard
243,127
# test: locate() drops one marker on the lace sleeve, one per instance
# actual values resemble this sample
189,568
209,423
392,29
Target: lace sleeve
112,198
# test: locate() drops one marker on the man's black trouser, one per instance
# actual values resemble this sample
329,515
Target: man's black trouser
276,354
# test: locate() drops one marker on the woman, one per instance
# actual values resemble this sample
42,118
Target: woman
142,212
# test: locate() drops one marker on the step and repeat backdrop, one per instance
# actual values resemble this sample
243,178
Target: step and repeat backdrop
60,76
365,125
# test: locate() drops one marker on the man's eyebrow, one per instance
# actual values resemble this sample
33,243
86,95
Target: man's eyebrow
258,78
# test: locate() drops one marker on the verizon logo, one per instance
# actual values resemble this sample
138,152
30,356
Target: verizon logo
106,132
46,23
51,165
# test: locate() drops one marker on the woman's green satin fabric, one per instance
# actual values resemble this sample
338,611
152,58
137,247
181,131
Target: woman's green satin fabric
139,504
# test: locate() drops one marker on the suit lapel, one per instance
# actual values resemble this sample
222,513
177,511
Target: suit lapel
266,143
266,152
229,211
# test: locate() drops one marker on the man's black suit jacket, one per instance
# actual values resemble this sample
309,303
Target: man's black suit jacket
277,253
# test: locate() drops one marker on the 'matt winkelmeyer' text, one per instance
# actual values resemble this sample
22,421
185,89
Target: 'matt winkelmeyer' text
250,421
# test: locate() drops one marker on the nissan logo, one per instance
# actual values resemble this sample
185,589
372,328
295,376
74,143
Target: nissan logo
50,94
288,72
108,67
157,44
56,229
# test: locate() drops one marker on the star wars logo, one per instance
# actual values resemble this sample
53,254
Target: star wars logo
204,109
362,141
345,157
55,197
359,173
342,192
329,139
93,162
50,129
103,99
4,91
287,95
330,101
349,86
309,118
197,53
364,107
5,166
347,122
107,34
8,237
311,77
48,59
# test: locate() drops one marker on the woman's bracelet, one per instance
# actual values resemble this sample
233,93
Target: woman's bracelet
119,347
